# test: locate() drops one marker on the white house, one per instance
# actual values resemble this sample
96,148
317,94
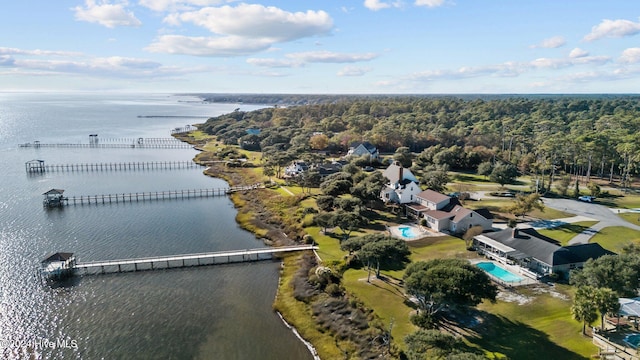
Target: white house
402,187
297,167
365,148
445,213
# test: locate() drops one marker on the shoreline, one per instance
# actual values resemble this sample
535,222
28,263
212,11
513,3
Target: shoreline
214,171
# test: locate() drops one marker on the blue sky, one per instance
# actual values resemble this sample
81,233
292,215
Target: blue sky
363,46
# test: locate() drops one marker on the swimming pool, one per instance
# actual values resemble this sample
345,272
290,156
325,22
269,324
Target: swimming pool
499,272
633,340
407,232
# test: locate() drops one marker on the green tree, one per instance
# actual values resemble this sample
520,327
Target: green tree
348,221
503,174
594,189
404,156
386,252
324,220
563,185
606,302
441,283
325,202
620,273
435,178
584,307
525,204
485,168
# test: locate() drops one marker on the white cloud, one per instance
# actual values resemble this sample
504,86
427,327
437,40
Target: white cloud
578,53
557,63
45,62
303,58
429,3
274,63
36,52
613,29
330,57
376,5
258,22
164,5
630,56
550,43
353,71
207,46
6,60
106,14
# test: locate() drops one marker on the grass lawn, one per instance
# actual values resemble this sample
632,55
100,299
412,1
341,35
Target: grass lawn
567,232
633,218
615,237
540,329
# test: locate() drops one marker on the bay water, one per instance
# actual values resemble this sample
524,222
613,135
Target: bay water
211,312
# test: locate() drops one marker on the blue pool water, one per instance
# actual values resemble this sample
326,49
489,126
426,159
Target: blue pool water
498,272
633,340
407,232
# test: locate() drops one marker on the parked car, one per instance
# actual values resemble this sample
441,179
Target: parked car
586,198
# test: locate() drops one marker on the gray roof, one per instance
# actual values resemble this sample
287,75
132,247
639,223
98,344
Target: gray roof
59,256
547,250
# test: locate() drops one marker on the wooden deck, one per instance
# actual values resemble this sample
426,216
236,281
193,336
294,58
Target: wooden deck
184,260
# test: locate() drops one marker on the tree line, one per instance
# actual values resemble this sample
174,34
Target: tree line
546,136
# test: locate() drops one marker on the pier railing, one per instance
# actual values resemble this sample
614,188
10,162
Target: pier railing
153,195
142,143
184,260
39,167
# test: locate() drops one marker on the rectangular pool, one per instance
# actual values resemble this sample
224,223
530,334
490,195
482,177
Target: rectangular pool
499,272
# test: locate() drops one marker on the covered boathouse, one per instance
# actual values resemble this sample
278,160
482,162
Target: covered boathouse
58,266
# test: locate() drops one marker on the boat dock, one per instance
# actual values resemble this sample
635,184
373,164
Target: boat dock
39,166
108,146
54,197
185,260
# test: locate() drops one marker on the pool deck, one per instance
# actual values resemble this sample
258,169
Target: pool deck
514,269
420,231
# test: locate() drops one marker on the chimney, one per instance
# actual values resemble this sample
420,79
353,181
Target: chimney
400,172
514,233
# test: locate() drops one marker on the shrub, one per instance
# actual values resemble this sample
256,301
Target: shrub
333,290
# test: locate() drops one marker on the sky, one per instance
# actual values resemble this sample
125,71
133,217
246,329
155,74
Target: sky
321,47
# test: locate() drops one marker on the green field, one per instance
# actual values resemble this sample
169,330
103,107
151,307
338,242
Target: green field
567,232
615,237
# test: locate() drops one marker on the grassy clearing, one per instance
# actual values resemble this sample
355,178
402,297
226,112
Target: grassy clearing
567,232
540,329
615,237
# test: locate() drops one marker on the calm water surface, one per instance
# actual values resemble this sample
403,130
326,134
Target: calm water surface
219,312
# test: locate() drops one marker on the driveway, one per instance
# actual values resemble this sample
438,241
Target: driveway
605,216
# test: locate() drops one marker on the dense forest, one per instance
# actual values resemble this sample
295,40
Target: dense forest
581,136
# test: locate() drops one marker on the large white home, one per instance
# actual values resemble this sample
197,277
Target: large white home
536,252
296,168
445,213
402,187
365,148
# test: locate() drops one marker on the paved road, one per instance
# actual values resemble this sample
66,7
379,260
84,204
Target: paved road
604,215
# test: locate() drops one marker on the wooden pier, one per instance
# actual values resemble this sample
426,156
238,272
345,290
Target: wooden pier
39,166
185,260
60,200
108,146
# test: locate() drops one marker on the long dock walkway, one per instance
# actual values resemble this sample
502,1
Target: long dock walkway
38,166
151,196
185,260
109,146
